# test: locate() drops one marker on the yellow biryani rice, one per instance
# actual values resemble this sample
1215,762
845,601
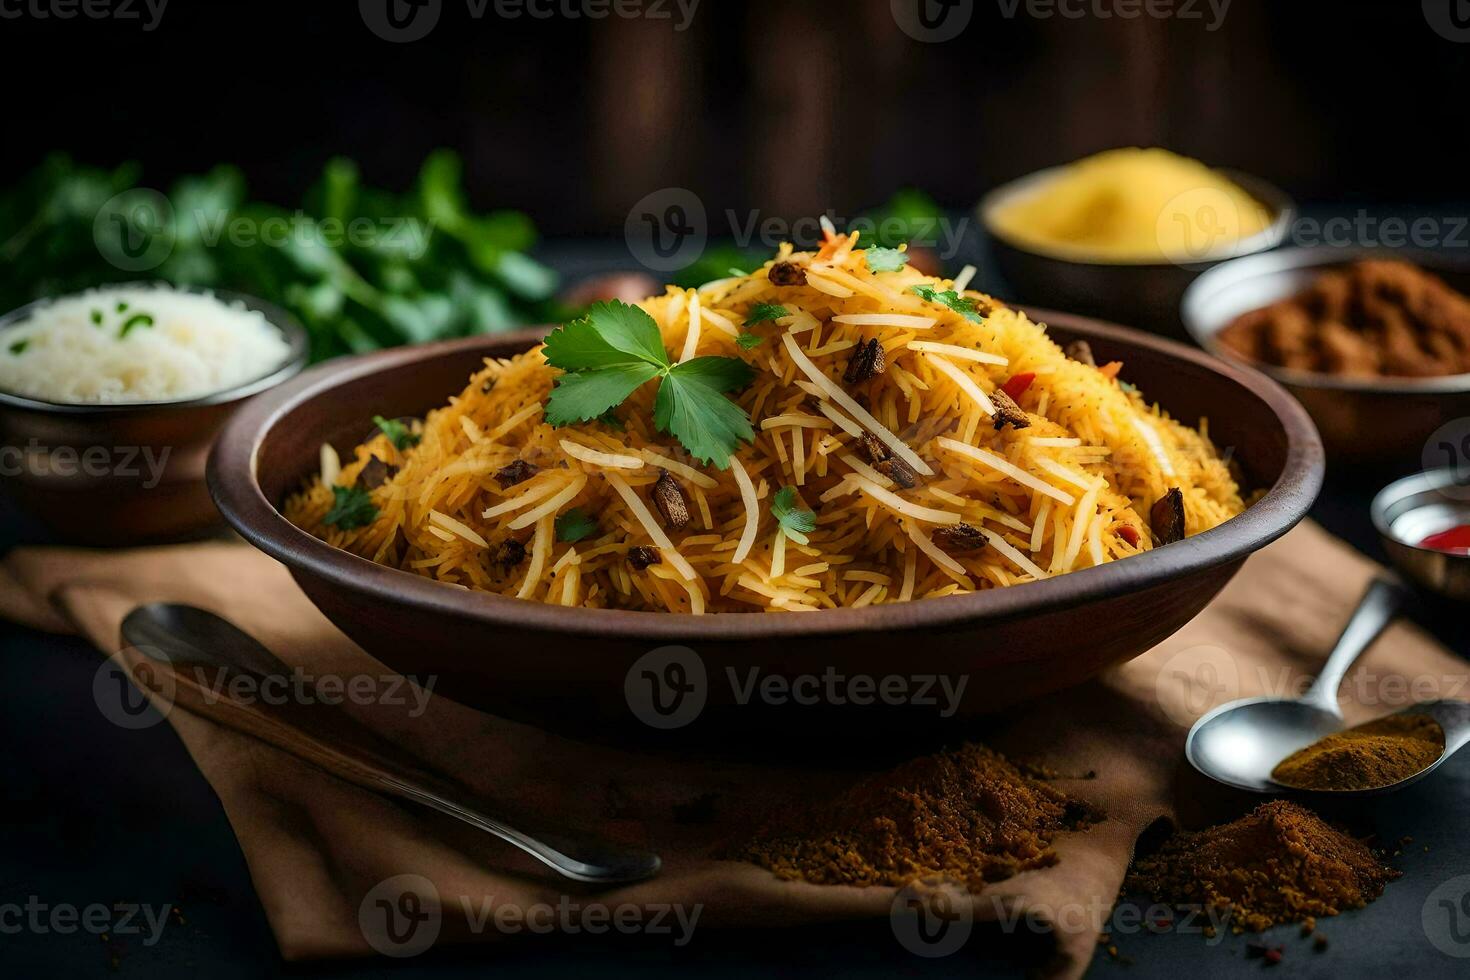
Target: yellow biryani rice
1071,490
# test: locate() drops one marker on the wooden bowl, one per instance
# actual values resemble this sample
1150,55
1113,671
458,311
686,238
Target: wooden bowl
580,669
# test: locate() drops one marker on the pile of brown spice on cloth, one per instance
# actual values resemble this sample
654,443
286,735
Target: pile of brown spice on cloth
1378,753
1279,863
968,814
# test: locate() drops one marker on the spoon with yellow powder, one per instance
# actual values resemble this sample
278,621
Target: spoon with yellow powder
1272,745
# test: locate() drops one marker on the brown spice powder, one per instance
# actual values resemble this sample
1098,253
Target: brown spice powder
1379,753
968,814
1280,863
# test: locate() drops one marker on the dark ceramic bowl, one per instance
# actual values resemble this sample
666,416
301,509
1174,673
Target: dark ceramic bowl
1365,422
1145,294
579,668
110,475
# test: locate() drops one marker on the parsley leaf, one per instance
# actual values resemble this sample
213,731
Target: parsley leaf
352,508
615,349
19,347
612,333
886,259
761,312
796,521
397,433
592,394
748,340
691,406
575,525
951,299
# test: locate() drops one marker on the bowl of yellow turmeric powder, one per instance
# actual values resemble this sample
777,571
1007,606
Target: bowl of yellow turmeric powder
1122,234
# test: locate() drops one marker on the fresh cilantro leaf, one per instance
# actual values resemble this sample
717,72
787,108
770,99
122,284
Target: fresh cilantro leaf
886,259
761,312
575,525
612,333
97,318
749,340
951,299
136,320
19,347
579,397
616,348
352,508
796,521
719,373
692,408
397,433
610,419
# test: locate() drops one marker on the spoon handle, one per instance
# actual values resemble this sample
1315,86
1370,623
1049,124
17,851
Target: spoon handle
1380,604
330,739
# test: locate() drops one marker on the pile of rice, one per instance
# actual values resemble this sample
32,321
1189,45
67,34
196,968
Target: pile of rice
137,344
1071,491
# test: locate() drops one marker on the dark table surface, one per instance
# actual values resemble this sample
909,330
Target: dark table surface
93,813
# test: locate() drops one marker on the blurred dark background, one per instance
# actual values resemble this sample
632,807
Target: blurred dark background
789,106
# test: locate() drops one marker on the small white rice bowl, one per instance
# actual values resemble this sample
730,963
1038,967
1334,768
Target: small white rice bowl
137,344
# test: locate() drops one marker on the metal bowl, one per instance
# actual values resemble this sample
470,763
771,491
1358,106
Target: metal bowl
1140,294
1364,421
1407,511
125,474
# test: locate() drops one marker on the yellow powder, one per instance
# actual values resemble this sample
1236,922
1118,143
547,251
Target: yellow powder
1133,205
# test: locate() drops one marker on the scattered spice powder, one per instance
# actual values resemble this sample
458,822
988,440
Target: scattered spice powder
1279,863
968,814
1379,753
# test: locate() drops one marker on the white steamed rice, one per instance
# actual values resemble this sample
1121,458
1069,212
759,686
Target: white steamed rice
196,345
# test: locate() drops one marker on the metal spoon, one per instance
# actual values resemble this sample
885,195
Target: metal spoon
1239,743
193,656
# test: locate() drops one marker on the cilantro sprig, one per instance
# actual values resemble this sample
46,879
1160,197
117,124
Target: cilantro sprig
761,312
352,507
397,433
575,525
885,259
617,348
951,299
796,521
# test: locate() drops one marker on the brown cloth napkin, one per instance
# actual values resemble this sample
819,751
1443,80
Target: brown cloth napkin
327,858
